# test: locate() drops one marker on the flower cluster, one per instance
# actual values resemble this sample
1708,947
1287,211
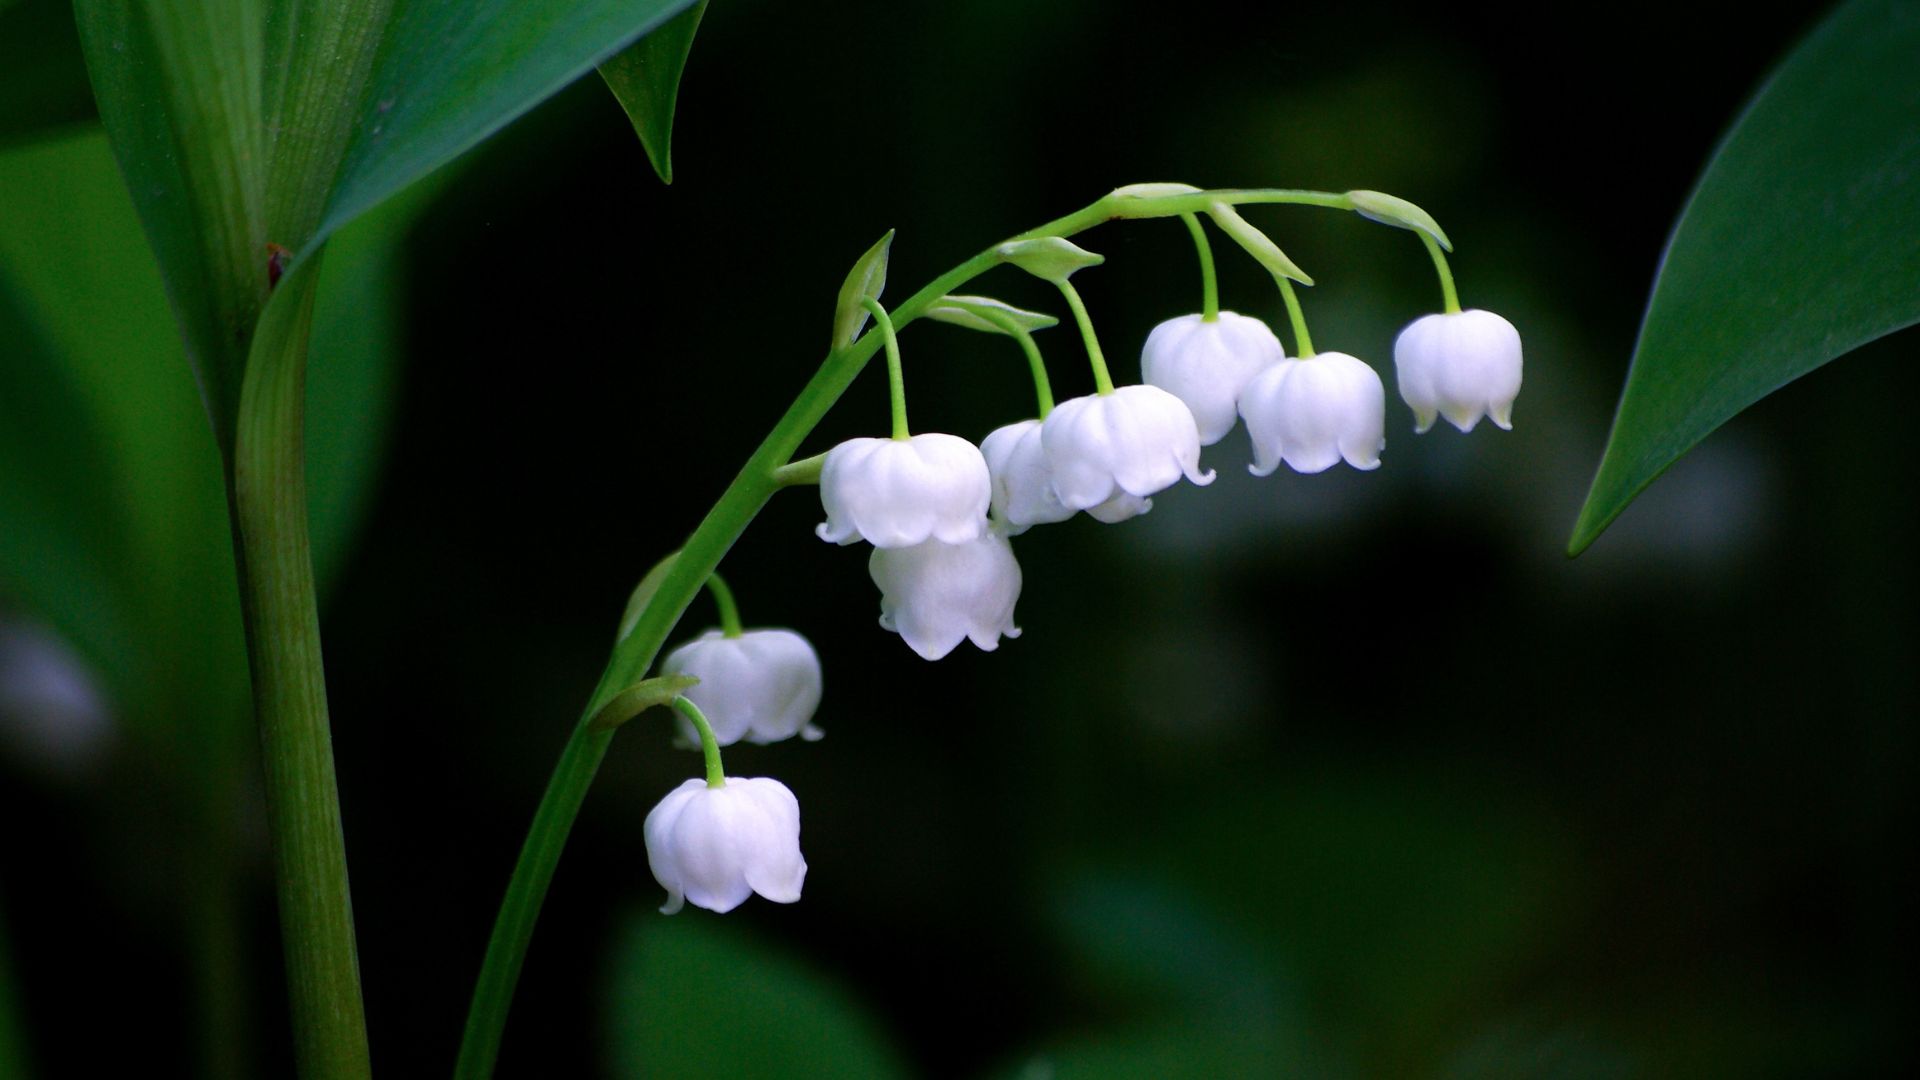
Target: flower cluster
939,512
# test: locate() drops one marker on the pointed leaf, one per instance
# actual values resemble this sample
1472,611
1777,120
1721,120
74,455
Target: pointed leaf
1257,244
987,314
1051,258
1396,211
1801,243
645,79
867,278
449,75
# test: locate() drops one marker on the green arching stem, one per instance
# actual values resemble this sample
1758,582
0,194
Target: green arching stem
762,475
1042,386
1451,298
723,599
1302,343
709,746
896,378
1102,381
1209,284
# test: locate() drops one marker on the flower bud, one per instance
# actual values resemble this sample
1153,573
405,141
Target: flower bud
901,492
1461,366
1135,441
1311,413
934,594
762,686
1206,364
1023,493
716,846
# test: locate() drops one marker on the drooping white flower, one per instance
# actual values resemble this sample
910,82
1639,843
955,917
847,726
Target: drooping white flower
1023,493
934,594
901,492
1461,366
716,846
762,686
1311,413
1134,441
1207,364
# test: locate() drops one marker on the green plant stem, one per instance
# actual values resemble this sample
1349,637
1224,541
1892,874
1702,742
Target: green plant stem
1209,283
709,745
268,499
723,599
1302,342
1042,386
896,377
1451,298
765,472
1102,381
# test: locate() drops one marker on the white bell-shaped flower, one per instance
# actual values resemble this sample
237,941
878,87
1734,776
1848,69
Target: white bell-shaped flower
762,686
1461,366
716,846
1135,441
1311,413
1023,493
901,492
1207,364
934,594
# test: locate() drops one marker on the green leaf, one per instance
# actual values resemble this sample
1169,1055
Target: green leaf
1256,243
867,278
1398,212
43,81
1051,258
178,89
645,79
449,75
987,314
694,997
1800,244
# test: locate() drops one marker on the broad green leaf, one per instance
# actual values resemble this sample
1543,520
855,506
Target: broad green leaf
867,278
692,997
645,79
43,82
449,75
1800,244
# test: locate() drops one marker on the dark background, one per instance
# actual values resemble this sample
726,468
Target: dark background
1348,774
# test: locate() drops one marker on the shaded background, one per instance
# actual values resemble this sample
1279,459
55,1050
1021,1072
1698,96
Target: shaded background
1349,774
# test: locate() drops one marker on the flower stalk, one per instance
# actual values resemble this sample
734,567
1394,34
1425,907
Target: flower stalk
1209,283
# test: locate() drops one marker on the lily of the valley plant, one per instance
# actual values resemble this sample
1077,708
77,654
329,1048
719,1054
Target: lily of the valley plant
939,513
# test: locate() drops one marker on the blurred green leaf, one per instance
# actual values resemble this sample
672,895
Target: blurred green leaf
692,997
107,468
645,79
1800,244
1203,1049
73,248
43,81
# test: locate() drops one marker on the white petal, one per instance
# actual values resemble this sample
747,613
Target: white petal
1023,494
762,686
1312,413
